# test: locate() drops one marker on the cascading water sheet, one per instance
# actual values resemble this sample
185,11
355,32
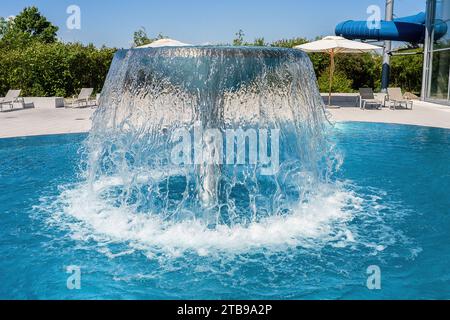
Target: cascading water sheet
209,147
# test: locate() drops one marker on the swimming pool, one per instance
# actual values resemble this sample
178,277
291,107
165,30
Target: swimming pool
391,209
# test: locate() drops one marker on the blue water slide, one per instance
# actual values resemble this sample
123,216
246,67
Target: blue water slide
409,29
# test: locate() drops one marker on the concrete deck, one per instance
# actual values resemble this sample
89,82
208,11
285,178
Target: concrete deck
423,114
35,121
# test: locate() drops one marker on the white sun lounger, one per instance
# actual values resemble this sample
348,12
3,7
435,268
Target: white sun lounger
396,99
84,99
12,96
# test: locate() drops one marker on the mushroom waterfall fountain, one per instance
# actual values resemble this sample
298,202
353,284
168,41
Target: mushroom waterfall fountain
219,135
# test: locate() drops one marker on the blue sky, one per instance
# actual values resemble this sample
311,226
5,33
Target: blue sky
112,22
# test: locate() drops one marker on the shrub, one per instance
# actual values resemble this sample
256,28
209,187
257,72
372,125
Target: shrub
406,72
340,82
53,69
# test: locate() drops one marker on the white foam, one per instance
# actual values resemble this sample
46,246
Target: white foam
321,220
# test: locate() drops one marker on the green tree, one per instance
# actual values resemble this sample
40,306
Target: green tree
141,38
28,25
239,40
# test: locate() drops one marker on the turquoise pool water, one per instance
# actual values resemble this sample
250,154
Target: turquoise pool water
389,207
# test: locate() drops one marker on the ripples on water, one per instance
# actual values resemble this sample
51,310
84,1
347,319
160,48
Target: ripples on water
367,214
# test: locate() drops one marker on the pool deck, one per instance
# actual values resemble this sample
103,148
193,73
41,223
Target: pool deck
35,121
423,114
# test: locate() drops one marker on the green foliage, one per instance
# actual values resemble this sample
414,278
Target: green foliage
33,60
29,25
363,69
239,40
340,82
320,62
288,43
259,42
53,69
141,38
406,71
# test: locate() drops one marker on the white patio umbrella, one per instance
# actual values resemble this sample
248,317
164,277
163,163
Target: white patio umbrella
334,45
165,43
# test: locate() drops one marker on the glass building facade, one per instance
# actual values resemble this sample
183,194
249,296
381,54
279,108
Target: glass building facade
436,79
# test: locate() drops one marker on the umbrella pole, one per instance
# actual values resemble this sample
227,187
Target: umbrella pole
330,81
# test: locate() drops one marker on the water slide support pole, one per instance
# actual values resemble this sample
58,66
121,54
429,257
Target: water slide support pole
389,15
427,50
